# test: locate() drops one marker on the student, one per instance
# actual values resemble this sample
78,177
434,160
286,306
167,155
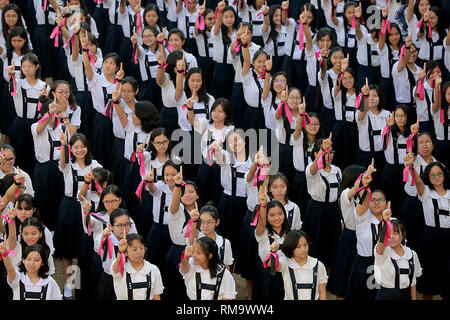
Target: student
200,266
367,56
118,228
304,277
114,33
394,286
68,229
10,187
441,116
176,40
7,166
31,280
135,278
322,220
28,89
250,13
153,17
346,247
433,191
11,17
185,16
205,45
274,35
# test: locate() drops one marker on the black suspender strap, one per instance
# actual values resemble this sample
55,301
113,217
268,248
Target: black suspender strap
211,287
304,286
369,55
438,212
75,179
207,45
374,235
24,295
187,217
139,285
162,207
330,185
222,250
372,133
25,102
53,144
234,176
400,271
291,215
204,110
155,175
397,146
260,90
188,26
296,43
149,64
429,105
132,22
411,85
106,96
330,88
225,52
116,12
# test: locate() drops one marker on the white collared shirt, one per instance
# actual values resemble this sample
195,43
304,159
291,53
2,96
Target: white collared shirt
423,46
438,126
291,32
31,92
317,187
76,68
219,49
385,66
364,237
53,291
68,179
419,165
148,58
378,122
28,185
124,21
96,86
296,223
299,153
221,242
361,54
250,14
205,129
202,46
348,207
230,160
280,40
401,149
160,188
424,107
42,147
402,85
40,14
141,137
264,243
351,101
182,114
17,259
252,193
428,209
177,226
325,87
238,63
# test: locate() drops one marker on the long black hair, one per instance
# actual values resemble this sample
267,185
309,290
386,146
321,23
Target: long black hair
19,23
43,270
155,133
209,247
319,135
34,222
202,95
226,40
395,130
110,189
148,114
17,32
273,34
285,227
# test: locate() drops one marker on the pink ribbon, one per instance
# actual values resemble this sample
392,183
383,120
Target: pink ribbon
55,34
430,31
135,53
406,175
140,188
387,26
318,56
44,6
200,22
13,93
305,115
48,115
138,21
385,136
181,258
97,186
287,111
409,142
5,216
110,247
169,47
237,46
188,229
88,224
259,15
39,106
402,51
92,59
108,109
419,24
266,262
388,233
8,252
210,154
162,66
320,161
301,31
141,161
261,176
363,187
421,89
255,220
358,101
263,73
121,263
354,21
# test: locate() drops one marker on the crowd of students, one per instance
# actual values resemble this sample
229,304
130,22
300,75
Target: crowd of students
352,198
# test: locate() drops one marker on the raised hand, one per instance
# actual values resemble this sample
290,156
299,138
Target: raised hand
387,213
161,36
149,176
120,74
265,8
437,81
85,204
408,159
84,38
221,5
106,232
274,246
269,63
327,143
160,57
303,15
115,95
134,39
284,94
181,64
179,176
358,11
408,41
390,121
365,88
194,213
19,177
302,106
123,244
415,127
285,5
262,194
423,72
345,62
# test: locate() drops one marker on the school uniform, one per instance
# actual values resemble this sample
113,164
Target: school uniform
254,17
388,57
169,111
275,48
232,205
27,185
7,109
267,287
200,285
208,177
424,108
442,144
163,10
137,285
102,133
302,282
253,91
185,22
346,247
329,8
25,103
322,219
326,115
205,46
24,289
224,248
396,274
361,284
313,64
397,13
320,15
238,100
47,178
430,48
368,59
302,157
113,29
294,63
68,226
435,240
105,285
285,144
391,180
100,15
17,259
403,85
222,79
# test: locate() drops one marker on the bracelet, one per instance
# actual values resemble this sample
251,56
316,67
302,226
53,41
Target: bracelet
261,206
269,71
366,95
181,71
265,14
244,45
17,184
190,109
88,183
119,80
116,102
194,221
178,185
408,47
85,49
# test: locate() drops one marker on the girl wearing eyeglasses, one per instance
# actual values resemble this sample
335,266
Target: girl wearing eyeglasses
139,279
433,191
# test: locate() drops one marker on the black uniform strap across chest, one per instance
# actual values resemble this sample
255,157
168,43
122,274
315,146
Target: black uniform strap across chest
25,101
371,134
188,25
52,145
234,176
24,295
148,64
400,271
75,180
296,43
163,208
396,147
199,286
329,186
204,110
304,286
374,231
438,212
139,285
258,85
207,44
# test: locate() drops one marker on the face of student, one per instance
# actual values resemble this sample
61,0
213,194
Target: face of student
309,17
79,150
24,211
425,145
275,217
277,17
33,262
200,257
148,37
436,72
208,223
434,19
176,42
278,188
169,175
374,99
279,83
424,5
195,82
11,18
128,93
348,81
294,99
218,114
349,13
228,18
192,4
190,195
62,94
313,127
3,3
31,235
29,69
336,59
413,55
136,251
325,42
109,66
17,42
209,20
134,3
447,95
121,224
111,202
400,117
7,165
396,238
378,203
436,176
301,252
236,143
151,17
394,36
161,143
259,3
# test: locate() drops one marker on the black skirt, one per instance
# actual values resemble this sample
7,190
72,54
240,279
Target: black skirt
267,287
113,39
327,120
131,182
208,183
361,283
393,294
175,289
84,100
150,91
391,182
7,109
158,245
286,163
84,262
170,119
105,288
102,140
345,143
249,258
207,66
222,80
412,216
342,263
238,104
323,226
299,192
23,144
120,164
95,274
253,119
364,158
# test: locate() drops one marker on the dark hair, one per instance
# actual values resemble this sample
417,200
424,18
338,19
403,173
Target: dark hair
118,213
344,89
148,114
110,189
348,4
426,175
171,61
399,226
72,101
177,32
440,26
272,89
286,225
202,95
333,50
8,147
273,34
132,81
380,191
103,175
444,102
290,242
83,10
32,58
431,65
226,40
326,31
31,202
276,176
316,148
258,53
205,13
420,134
19,23
113,56
395,130
6,182
226,106
400,43
155,32
43,270
312,9
286,125
319,135
34,222
211,210
349,176
209,247
379,91
416,9
136,237
190,183
17,32
152,7
84,140
85,26
156,133
170,163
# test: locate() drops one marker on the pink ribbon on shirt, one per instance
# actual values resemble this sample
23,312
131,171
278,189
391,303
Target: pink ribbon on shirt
237,46
358,101
67,42
44,6
402,51
385,136
354,21
419,24
209,155
121,263
320,161
388,233
430,30
186,2
386,27
287,111
441,114
305,115
188,229
406,175
13,78
255,220
259,15
8,252
169,47
200,22
142,185
263,73
409,142
110,247
98,1
135,54
141,161
301,31
266,262
5,216
260,176
92,59
55,34
88,224
421,89
108,109
97,186
139,21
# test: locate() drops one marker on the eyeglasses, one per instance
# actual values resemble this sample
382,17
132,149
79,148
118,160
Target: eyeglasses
121,226
314,124
8,159
161,143
378,200
138,250
207,223
413,52
108,202
425,143
400,116
63,92
437,175
295,98
280,81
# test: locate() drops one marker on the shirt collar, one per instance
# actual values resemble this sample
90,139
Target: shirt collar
310,263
